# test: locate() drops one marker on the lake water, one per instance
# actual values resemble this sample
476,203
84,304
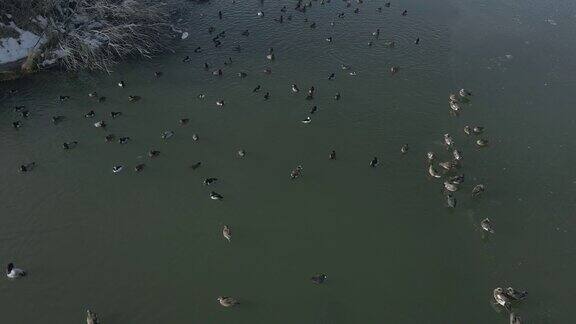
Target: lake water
147,247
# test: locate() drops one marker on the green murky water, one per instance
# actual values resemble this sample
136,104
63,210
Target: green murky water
147,247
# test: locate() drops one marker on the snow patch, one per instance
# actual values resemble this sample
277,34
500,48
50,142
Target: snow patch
15,49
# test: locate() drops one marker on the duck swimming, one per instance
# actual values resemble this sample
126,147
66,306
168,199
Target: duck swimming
258,87
477,130
448,165
267,96
295,88
454,106
516,294
515,319
196,165
337,96
121,84
139,167
430,156
69,145
109,137
91,317
167,134
296,173
457,155
153,153
457,179
195,137
486,225
332,76
215,196
115,114
450,201
117,168
90,114
17,124
220,103
124,140
404,149
57,119
448,140
13,272
467,130
227,301
450,186
227,233
241,153
134,98
374,162
313,110
482,142
332,155
306,120
501,298
183,121
319,278
464,93
394,70
433,172
209,181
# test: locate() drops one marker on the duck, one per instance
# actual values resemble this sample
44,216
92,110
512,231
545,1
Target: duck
306,120
187,58
100,124
433,172
515,319
457,155
450,186
167,134
482,142
448,165
241,153
260,14
13,272
345,67
218,72
134,98
267,96
195,165
220,103
27,167
242,74
227,301
90,114
332,76
387,5
69,145
245,33
332,155
227,233
63,98
404,149
25,114
319,278
121,84
477,130
215,196
91,317
337,96
464,93
516,294
209,181
313,25
109,137
394,70
297,172
457,179
268,70
57,119
206,66
102,99
153,153
314,109
501,298
124,140
486,225
477,190
183,121
454,106
115,114
417,41
329,39
139,167
157,74
195,137
430,156
448,140
93,94
17,124
450,201
376,33
295,88
374,162
270,56
370,43
452,98
353,73
405,13
467,130
201,96
117,168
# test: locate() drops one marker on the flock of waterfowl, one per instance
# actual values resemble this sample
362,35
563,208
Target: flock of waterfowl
452,178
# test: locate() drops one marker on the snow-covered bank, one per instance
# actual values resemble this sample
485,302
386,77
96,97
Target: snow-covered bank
16,49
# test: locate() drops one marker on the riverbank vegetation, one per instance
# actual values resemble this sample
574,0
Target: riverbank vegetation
81,34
